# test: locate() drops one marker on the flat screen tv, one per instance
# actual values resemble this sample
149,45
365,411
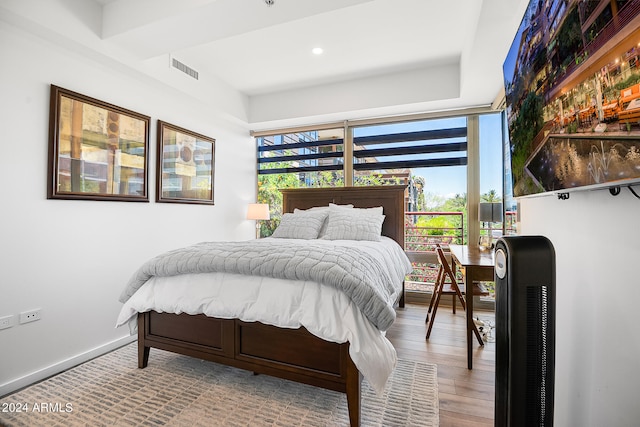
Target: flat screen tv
572,85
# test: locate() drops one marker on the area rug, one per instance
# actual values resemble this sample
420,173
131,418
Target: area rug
177,390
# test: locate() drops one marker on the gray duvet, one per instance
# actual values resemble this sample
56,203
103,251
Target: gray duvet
358,273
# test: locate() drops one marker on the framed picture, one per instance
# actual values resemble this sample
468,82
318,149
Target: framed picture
97,151
185,170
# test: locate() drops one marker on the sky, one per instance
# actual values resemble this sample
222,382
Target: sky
452,180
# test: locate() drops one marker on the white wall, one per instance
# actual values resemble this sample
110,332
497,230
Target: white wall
73,258
359,98
597,241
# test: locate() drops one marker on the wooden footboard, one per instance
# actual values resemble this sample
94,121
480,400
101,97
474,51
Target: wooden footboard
295,355
292,354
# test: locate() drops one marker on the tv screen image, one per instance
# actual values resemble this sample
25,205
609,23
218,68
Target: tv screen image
565,163
572,86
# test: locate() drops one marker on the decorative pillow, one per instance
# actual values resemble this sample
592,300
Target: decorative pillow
321,208
626,93
323,229
354,224
300,225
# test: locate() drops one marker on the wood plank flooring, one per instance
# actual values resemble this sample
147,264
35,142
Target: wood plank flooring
466,396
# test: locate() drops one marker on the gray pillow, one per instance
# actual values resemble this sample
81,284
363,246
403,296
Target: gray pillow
300,225
323,229
354,224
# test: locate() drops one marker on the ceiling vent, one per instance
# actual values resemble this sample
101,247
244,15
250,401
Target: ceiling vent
184,68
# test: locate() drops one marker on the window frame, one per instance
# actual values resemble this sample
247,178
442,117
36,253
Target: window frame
472,158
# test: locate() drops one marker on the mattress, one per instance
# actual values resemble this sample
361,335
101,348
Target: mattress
323,310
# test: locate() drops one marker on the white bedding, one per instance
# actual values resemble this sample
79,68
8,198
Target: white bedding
323,310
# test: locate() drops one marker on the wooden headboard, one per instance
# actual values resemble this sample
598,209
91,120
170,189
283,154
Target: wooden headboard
390,197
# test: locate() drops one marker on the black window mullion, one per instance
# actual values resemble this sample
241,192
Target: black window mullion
315,156
301,169
419,149
278,147
460,132
408,164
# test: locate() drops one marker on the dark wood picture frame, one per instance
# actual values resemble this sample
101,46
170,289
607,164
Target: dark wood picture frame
186,166
97,151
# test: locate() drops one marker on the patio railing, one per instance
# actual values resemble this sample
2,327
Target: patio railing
425,237
423,231
422,234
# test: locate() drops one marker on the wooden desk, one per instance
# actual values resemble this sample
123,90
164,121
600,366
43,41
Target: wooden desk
476,266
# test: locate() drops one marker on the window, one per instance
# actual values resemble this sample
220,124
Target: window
309,158
430,157
491,170
428,154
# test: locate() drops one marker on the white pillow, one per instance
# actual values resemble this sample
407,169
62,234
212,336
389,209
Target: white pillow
354,224
321,208
300,225
323,229
626,93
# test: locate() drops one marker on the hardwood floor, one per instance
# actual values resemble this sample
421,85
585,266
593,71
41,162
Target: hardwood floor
466,396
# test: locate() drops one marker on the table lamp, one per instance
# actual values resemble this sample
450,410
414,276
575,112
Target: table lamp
490,212
258,212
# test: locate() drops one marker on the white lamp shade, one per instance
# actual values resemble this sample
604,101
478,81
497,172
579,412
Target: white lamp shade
258,211
490,212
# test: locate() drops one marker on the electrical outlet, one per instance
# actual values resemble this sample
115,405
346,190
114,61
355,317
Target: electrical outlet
30,316
6,322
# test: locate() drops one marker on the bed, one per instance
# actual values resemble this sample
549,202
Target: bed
291,353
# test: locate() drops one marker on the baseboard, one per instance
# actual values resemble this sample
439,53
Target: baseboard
27,380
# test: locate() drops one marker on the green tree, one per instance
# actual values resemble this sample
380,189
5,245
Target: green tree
490,196
432,201
269,186
442,225
458,203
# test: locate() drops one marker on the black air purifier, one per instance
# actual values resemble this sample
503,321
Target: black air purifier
525,331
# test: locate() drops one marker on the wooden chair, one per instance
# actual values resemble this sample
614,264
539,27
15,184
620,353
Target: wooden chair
446,284
439,278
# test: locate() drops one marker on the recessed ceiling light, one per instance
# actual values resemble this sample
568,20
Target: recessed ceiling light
317,51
